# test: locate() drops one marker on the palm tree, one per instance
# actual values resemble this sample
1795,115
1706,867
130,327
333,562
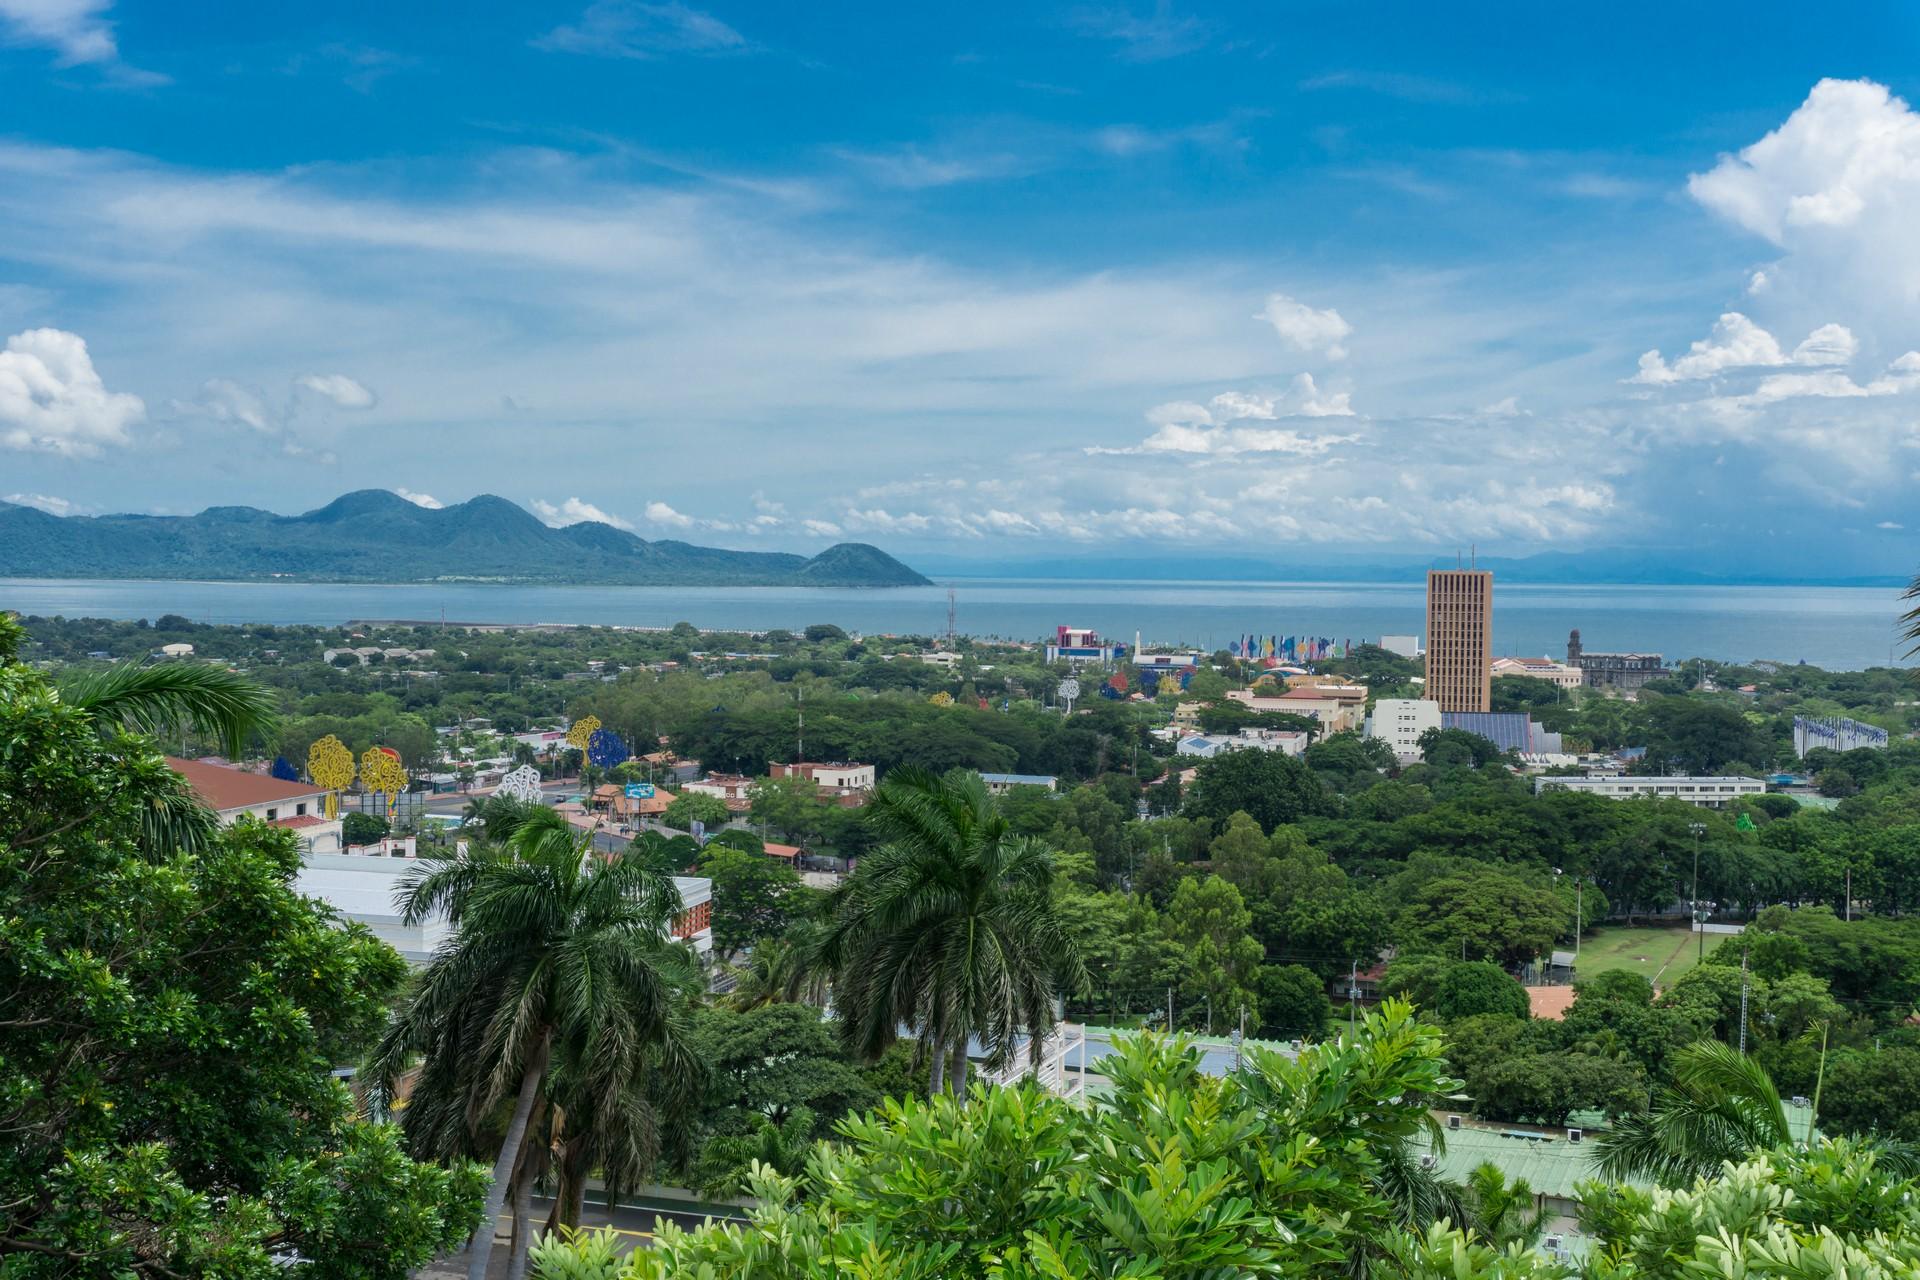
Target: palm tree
783,970
949,928
1720,1105
1502,1212
557,959
1910,620
163,699
159,700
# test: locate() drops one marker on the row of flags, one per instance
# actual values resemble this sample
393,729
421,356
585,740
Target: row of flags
1289,648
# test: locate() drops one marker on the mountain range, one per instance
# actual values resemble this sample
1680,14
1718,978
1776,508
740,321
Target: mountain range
373,535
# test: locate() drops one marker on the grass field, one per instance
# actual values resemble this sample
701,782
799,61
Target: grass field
1660,955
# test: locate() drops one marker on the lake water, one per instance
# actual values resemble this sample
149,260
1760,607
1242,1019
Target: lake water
1833,627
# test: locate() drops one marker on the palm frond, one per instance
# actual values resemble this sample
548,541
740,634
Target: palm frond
159,700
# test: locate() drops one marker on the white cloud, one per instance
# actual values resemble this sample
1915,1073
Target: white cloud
1305,328
1217,427
426,500
339,388
1150,36
1850,151
880,520
575,511
821,528
76,30
225,400
1735,343
73,28
45,502
626,29
1829,344
1889,524
661,513
53,401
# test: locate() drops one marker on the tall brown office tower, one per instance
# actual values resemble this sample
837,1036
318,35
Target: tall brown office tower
1460,639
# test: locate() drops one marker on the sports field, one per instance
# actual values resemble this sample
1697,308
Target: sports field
1660,955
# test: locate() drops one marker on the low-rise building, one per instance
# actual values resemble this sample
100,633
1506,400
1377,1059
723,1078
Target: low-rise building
1290,742
1559,674
1401,646
1335,708
233,794
1082,646
1000,783
1400,722
1707,793
1507,730
839,775
732,788
941,658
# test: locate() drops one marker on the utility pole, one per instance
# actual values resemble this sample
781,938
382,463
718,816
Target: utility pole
1743,998
951,611
1849,895
1353,992
1169,1010
1699,923
1239,1038
800,733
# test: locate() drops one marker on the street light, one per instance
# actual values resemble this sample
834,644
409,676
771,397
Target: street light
1699,924
1579,920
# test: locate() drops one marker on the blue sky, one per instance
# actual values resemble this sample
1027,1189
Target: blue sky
1001,281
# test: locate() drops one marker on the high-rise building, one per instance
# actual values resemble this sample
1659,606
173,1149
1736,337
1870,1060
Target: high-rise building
1460,639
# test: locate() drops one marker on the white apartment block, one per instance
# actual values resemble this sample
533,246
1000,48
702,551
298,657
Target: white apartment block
1399,722
1707,793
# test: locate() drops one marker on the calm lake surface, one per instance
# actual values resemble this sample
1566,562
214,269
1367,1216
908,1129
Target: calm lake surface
1833,627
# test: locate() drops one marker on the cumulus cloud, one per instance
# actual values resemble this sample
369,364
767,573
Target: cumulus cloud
337,387
1306,329
575,511
426,500
1738,343
53,401
661,513
1851,151
821,528
1220,427
43,501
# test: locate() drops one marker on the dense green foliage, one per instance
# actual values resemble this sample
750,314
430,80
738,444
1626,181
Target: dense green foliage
169,1021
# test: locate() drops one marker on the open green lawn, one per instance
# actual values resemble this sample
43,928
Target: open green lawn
1660,955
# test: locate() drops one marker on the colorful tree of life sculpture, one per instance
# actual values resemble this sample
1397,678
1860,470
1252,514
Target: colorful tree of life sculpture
381,771
580,732
607,749
330,765
523,784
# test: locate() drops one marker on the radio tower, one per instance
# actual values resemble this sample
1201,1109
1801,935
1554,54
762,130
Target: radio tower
950,615
800,731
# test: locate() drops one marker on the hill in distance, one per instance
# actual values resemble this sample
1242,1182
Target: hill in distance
375,536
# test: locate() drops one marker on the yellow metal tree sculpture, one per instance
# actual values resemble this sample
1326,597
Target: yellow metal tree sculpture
381,770
330,765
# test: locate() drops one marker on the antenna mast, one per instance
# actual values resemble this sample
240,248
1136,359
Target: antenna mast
950,616
800,733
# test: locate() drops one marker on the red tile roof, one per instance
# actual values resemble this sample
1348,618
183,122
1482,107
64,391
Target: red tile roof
222,789
300,820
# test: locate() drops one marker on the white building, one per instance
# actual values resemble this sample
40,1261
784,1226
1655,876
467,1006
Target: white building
1403,646
1288,742
1000,783
1708,793
233,794
1399,722
179,649
361,887
834,776
1557,673
941,658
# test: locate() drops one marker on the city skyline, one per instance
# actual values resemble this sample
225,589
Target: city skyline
1042,282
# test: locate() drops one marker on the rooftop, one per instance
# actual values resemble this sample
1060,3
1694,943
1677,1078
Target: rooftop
223,789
